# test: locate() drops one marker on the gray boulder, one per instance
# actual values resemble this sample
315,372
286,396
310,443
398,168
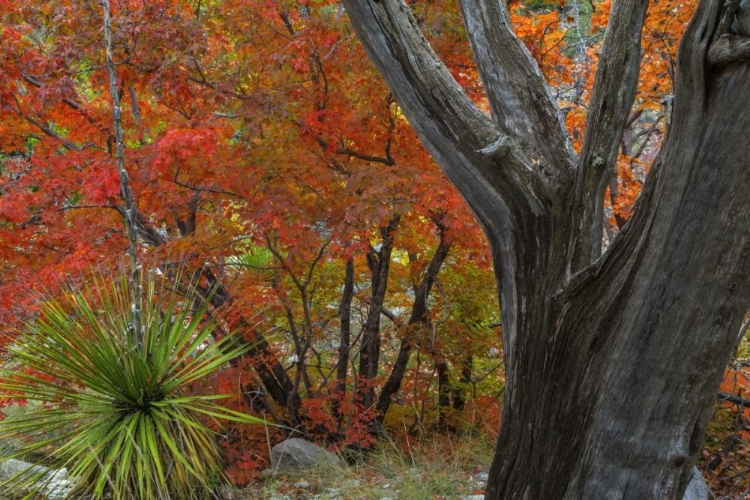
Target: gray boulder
54,484
297,454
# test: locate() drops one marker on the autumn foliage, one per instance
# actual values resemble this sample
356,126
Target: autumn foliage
267,156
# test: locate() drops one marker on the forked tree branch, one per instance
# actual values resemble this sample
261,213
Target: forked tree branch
486,165
614,91
521,104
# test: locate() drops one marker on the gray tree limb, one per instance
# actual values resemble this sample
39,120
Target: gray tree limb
462,139
614,91
520,101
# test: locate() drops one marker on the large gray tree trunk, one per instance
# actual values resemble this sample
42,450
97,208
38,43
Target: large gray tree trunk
612,362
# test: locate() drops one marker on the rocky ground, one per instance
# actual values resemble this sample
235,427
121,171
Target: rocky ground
414,486
303,471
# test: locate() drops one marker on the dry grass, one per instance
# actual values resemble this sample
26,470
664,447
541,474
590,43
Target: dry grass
442,468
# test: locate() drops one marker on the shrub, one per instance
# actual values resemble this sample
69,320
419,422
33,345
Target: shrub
115,409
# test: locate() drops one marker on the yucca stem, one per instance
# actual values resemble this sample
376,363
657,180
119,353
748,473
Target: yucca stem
130,213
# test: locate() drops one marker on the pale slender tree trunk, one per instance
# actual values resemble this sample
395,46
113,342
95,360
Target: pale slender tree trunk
130,209
612,362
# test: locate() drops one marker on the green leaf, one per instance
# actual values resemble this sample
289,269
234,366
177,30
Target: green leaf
117,413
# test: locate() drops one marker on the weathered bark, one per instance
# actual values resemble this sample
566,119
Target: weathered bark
638,342
614,90
610,372
515,83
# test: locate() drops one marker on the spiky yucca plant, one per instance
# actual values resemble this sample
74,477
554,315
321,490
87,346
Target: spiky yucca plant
115,407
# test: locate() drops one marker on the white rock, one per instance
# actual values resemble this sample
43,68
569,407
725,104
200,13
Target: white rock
303,485
58,485
53,483
482,476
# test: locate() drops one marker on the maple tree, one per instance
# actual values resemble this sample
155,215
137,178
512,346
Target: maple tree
272,174
266,155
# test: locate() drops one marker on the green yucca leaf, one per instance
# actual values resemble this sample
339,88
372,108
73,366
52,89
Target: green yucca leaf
116,412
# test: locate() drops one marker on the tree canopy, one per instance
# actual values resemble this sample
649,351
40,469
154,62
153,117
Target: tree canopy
267,156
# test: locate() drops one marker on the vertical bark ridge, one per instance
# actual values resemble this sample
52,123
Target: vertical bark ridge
680,322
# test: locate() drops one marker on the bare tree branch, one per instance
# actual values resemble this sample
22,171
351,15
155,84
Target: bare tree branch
614,91
70,102
723,396
205,189
521,104
48,131
463,140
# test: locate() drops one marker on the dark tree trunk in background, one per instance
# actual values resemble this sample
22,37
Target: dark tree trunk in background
612,361
277,383
379,261
417,320
444,393
342,364
459,392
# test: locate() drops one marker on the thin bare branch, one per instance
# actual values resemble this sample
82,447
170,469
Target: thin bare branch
722,397
204,189
51,133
